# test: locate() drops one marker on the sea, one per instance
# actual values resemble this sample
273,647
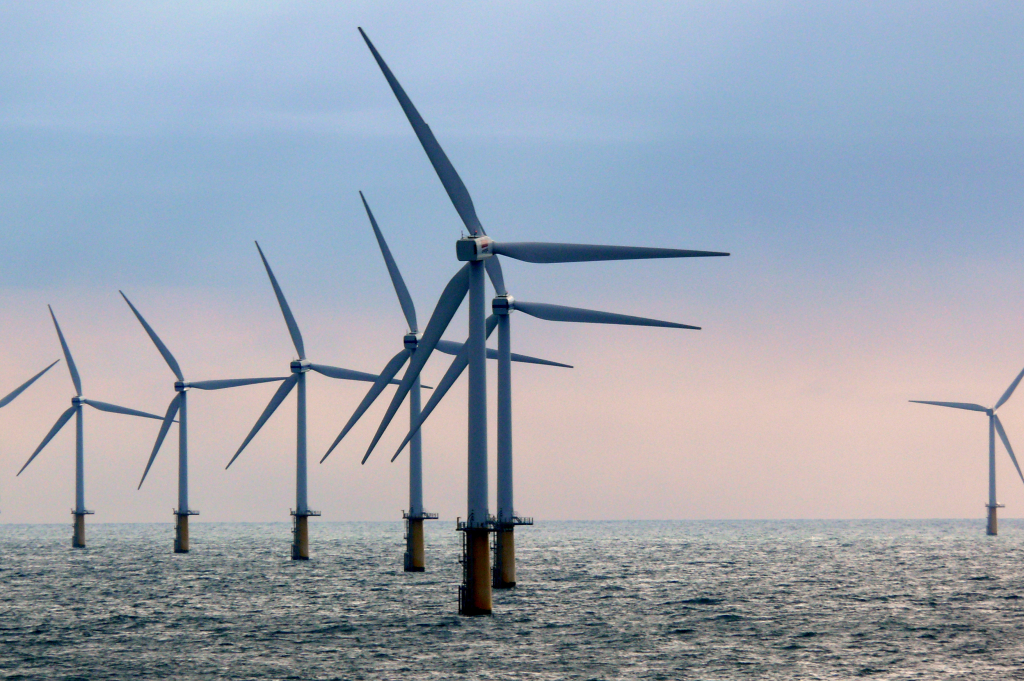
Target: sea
879,599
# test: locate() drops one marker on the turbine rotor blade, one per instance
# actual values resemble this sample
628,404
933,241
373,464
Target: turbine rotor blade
21,388
538,252
564,313
232,382
452,348
453,184
1006,443
404,299
289,319
168,357
954,405
345,374
386,376
67,355
275,402
493,266
115,409
1009,391
49,436
455,370
447,305
172,409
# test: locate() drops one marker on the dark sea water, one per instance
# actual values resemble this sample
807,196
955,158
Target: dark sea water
621,600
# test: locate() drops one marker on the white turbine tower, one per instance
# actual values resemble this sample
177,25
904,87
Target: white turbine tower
179,407
478,251
299,368
415,560
994,426
77,402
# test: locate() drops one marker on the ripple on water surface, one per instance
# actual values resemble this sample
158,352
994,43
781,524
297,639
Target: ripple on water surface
657,600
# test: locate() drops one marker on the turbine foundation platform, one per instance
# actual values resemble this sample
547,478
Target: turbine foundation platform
415,553
78,533
993,520
300,534
503,574
181,541
475,591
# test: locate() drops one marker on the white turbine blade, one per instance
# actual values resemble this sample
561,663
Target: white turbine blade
1009,391
453,184
447,305
494,274
954,405
232,382
49,436
115,409
275,402
172,409
538,252
564,313
386,376
455,370
168,357
67,355
404,299
21,388
289,319
345,374
1006,443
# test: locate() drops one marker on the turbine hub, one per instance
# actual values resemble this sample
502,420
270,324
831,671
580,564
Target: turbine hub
503,305
412,340
300,366
77,400
473,248
182,386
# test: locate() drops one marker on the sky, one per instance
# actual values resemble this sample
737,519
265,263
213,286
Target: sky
862,162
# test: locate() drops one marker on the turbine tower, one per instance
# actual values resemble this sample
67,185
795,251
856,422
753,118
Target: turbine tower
77,402
478,251
179,407
994,426
415,559
299,368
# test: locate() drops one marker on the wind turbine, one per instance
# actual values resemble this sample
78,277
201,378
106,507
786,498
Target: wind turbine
179,407
994,426
478,251
414,554
77,402
21,388
503,574
299,368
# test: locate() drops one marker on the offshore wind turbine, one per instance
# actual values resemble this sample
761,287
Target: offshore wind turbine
299,368
994,426
503,573
179,407
478,251
415,559
77,402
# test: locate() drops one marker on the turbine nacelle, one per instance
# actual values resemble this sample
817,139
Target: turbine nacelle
78,401
300,366
503,305
181,386
474,248
412,340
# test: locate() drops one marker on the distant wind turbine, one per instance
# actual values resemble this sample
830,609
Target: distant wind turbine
478,251
179,406
299,368
21,388
77,402
994,426
415,554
